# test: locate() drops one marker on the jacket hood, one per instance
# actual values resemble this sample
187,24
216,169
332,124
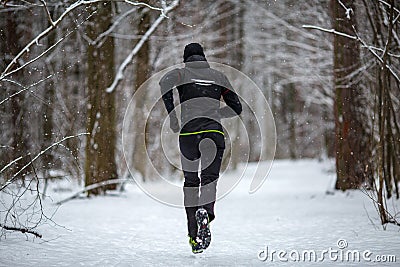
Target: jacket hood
196,61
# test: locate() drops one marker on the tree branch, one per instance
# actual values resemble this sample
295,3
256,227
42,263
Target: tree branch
8,70
120,73
92,186
47,12
36,157
330,31
347,10
50,48
102,36
26,88
22,230
11,163
357,37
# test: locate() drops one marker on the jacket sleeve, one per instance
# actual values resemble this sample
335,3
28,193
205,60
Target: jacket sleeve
167,84
234,107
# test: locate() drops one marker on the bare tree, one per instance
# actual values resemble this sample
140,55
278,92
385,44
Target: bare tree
378,140
43,73
383,19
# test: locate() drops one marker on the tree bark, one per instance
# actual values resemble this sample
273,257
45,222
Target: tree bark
47,159
142,71
100,162
16,35
350,145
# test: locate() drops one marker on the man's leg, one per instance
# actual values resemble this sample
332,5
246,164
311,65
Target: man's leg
190,156
209,179
211,159
191,196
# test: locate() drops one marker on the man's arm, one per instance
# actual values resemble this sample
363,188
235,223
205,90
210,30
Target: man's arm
167,84
234,107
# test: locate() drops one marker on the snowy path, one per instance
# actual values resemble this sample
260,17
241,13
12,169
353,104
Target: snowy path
290,211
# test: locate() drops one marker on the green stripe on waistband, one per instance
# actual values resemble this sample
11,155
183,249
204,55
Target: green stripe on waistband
205,131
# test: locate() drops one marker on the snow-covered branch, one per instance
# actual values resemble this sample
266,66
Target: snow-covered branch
347,10
373,52
35,158
389,5
9,69
120,73
330,31
102,36
93,186
26,88
381,50
50,48
11,163
380,59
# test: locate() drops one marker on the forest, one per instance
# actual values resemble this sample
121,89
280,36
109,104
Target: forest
69,70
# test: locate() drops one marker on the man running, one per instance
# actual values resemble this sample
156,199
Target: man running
201,138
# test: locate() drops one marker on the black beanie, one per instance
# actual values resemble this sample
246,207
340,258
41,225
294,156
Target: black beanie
192,49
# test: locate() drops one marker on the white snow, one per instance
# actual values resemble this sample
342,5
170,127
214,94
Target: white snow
291,211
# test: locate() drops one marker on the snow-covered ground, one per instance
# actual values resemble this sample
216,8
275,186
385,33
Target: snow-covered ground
291,212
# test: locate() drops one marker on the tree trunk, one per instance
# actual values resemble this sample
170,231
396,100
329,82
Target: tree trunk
47,159
16,36
142,71
100,162
224,28
291,109
238,64
350,145
230,44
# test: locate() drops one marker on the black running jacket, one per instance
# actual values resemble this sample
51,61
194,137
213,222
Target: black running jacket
200,91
